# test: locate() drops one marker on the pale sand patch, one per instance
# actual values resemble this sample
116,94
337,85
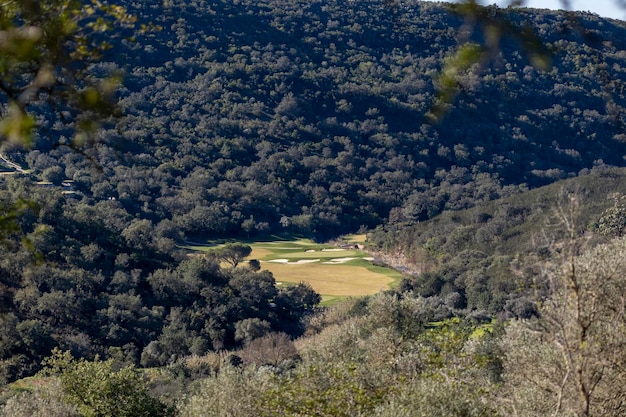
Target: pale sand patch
279,261
338,261
369,258
309,250
300,262
332,250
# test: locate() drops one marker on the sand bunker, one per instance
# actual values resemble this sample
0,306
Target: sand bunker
334,261
286,261
332,250
338,261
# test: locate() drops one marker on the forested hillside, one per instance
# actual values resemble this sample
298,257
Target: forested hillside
313,117
479,259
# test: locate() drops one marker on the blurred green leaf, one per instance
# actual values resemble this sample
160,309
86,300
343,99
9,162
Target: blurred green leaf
46,49
17,126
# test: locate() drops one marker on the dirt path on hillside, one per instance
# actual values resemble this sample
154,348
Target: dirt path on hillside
12,164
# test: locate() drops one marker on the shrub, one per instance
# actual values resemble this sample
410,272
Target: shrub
98,390
44,400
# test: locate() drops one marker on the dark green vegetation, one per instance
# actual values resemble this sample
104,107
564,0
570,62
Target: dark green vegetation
477,256
247,118
313,118
392,355
94,280
47,54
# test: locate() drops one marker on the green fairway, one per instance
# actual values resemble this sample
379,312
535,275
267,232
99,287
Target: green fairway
332,271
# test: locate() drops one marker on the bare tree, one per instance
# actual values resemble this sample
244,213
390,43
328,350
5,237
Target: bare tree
572,360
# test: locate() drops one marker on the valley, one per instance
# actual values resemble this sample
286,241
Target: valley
334,272
200,197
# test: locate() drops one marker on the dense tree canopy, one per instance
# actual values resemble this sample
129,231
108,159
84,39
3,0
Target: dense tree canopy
250,118
316,118
47,53
96,281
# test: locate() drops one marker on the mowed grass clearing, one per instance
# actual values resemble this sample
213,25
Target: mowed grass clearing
331,280
333,272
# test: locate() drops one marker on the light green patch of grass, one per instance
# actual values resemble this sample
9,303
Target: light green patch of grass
323,255
333,280
329,300
259,253
396,276
481,330
355,238
28,383
199,245
333,276
196,248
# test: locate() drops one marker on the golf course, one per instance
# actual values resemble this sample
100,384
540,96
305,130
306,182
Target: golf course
334,272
